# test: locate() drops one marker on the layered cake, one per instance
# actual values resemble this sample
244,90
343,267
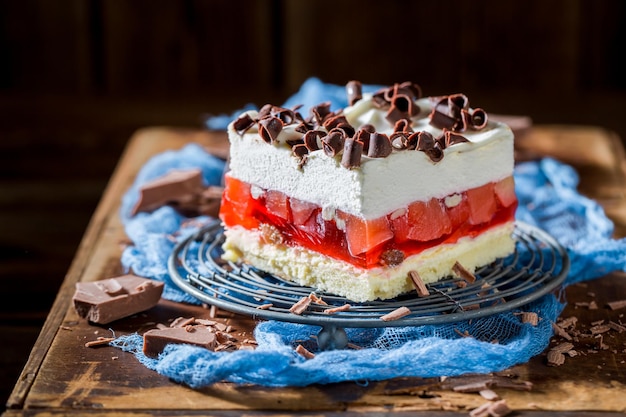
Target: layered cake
362,201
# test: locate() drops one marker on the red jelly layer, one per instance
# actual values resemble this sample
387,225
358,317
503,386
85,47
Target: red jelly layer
370,243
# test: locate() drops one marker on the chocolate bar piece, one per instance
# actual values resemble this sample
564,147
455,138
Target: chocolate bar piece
154,341
111,299
178,186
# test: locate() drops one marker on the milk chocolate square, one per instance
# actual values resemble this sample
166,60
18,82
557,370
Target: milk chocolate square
111,299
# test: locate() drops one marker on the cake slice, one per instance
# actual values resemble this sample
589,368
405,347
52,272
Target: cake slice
352,201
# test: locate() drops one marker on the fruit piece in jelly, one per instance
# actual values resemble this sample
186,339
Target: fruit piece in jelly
482,203
427,220
363,235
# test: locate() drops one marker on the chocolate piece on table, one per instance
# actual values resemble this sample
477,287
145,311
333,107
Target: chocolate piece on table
155,340
108,300
176,185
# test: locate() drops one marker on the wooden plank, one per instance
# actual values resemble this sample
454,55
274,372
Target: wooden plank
62,374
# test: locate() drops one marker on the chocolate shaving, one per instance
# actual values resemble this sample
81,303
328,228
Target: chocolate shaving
302,351
453,112
616,305
333,142
339,309
300,151
320,112
379,146
339,122
354,91
363,136
243,123
301,306
463,273
396,314
269,128
420,287
451,138
352,151
312,139
403,125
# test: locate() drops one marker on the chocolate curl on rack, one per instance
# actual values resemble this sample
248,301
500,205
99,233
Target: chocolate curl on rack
269,128
333,142
352,150
354,91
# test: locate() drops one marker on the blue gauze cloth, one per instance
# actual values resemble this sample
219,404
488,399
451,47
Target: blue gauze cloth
548,199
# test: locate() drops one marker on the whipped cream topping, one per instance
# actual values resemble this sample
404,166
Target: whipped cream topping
377,185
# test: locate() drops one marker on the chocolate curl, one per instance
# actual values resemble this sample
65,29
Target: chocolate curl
287,116
352,150
451,138
399,140
265,111
269,128
363,136
380,146
456,103
320,112
403,125
477,119
333,142
243,123
453,113
300,151
430,146
339,121
312,139
354,92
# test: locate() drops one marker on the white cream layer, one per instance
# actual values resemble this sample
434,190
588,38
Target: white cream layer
380,185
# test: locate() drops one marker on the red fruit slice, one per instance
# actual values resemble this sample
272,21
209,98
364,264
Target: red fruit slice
427,220
277,204
301,210
482,203
400,226
505,191
458,214
363,235
237,204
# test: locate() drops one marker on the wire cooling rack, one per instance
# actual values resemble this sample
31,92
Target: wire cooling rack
538,266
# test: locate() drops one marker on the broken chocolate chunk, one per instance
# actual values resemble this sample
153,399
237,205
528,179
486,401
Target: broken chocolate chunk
95,302
154,341
176,185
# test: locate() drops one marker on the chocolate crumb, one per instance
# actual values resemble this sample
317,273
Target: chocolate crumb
463,273
396,314
300,306
616,305
301,350
341,308
392,257
555,358
420,287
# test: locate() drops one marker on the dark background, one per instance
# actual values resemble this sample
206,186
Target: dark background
78,77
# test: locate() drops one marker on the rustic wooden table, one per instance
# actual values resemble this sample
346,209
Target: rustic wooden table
63,376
